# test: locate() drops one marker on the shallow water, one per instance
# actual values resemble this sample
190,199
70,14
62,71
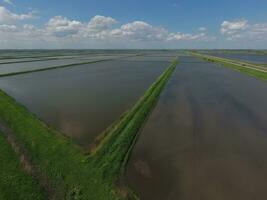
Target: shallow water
206,138
84,100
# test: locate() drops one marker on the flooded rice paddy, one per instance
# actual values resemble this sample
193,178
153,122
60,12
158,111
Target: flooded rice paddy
6,68
206,138
84,100
19,67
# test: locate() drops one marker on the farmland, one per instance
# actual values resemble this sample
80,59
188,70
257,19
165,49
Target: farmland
206,133
133,124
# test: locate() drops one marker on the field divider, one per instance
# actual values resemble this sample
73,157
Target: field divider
28,61
60,66
40,59
52,56
113,151
51,68
250,69
30,57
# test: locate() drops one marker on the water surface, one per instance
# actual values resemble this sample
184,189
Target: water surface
19,67
84,100
206,138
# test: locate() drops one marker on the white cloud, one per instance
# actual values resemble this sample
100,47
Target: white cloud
8,2
7,28
105,28
7,16
98,30
139,31
99,22
28,30
228,27
61,26
142,31
99,27
242,29
187,36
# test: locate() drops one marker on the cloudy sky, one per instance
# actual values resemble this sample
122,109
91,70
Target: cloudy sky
133,24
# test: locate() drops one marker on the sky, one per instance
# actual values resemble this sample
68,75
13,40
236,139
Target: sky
148,24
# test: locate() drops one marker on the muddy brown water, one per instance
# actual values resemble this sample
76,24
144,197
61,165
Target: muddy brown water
205,140
84,100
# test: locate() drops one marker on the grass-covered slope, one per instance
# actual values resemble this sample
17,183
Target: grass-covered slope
113,151
63,170
15,183
244,67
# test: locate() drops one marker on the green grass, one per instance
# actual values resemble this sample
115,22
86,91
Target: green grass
14,182
61,164
117,145
63,168
236,65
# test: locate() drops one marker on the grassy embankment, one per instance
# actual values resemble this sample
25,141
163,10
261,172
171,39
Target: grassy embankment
23,57
120,138
63,169
59,56
14,182
244,67
54,67
38,58
27,61
61,66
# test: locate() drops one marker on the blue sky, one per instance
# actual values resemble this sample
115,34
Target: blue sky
133,24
